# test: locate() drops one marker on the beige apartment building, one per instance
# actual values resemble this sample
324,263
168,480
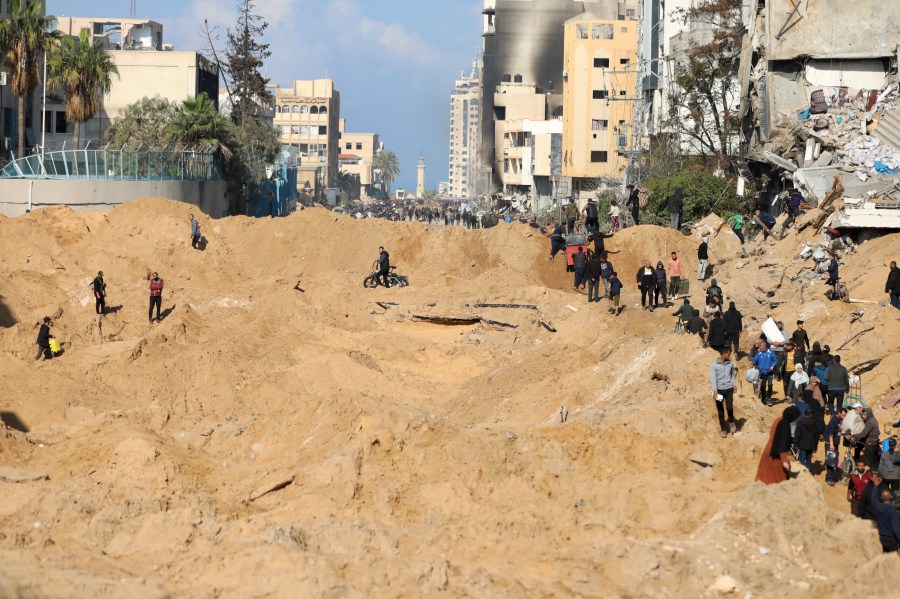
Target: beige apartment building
307,116
599,89
514,102
465,135
356,156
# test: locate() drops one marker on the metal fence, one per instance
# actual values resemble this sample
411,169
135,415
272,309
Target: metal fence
164,162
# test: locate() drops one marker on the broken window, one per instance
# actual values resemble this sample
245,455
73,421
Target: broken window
581,32
600,94
602,31
599,125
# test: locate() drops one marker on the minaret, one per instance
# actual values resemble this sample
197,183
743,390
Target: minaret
420,186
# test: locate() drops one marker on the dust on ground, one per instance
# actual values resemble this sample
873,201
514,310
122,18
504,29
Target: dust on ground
266,441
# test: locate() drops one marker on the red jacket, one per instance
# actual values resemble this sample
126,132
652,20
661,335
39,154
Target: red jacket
858,483
156,287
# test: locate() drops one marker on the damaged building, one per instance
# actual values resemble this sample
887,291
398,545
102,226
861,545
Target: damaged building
819,89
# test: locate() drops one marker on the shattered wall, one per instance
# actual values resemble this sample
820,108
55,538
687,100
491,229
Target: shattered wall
832,29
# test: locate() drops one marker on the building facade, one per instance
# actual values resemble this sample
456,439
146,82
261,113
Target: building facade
356,157
307,116
116,34
599,97
465,135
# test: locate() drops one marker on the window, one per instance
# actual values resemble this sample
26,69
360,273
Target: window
623,92
295,129
624,29
314,110
581,32
48,122
629,13
600,94
599,157
61,125
285,130
277,109
296,110
624,61
621,123
349,145
599,125
304,130
603,31
323,130
285,109
601,63
359,145
323,110
304,110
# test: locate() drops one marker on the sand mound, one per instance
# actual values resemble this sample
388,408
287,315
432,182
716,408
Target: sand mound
267,441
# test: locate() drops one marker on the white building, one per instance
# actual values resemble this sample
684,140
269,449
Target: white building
465,134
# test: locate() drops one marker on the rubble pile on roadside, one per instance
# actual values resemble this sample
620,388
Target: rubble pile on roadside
836,130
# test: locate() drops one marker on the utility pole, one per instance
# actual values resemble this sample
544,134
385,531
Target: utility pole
133,9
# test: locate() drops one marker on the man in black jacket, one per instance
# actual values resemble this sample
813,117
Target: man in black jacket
384,266
646,280
871,496
675,206
702,259
697,326
579,262
734,326
43,340
633,203
718,337
99,286
592,275
801,337
892,286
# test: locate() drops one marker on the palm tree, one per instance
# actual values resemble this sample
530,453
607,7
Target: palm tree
27,37
198,122
83,70
386,162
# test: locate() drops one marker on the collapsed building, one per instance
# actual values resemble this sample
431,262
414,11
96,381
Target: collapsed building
820,104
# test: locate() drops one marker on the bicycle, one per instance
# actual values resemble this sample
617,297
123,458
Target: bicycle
394,280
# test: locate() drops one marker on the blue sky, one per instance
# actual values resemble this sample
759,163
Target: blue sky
394,61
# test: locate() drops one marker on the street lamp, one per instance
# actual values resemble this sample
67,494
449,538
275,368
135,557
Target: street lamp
50,29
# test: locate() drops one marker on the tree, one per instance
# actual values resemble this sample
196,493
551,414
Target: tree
197,121
83,70
386,162
27,38
245,55
144,122
703,193
704,109
429,195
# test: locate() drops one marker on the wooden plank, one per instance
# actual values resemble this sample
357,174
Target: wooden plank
511,306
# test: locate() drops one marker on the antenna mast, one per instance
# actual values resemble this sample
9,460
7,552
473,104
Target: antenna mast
133,9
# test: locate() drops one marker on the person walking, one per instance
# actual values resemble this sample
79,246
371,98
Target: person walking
765,361
661,282
832,438
571,216
579,262
615,214
592,275
797,384
888,523
837,381
717,337
765,221
606,271
856,485
808,432
43,340
734,326
800,337
795,200
591,216
870,439
702,259
195,233
646,281
615,291
675,206
889,465
99,287
633,203
775,461
892,287
736,222
722,378
156,289
675,270
833,273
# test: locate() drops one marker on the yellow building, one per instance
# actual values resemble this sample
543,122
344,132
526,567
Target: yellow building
599,90
307,117
357,156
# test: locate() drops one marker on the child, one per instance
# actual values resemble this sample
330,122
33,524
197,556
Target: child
615,289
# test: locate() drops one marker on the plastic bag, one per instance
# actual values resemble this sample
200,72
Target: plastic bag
753,375
831,459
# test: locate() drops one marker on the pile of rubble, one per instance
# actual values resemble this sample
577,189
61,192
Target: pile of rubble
836,128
